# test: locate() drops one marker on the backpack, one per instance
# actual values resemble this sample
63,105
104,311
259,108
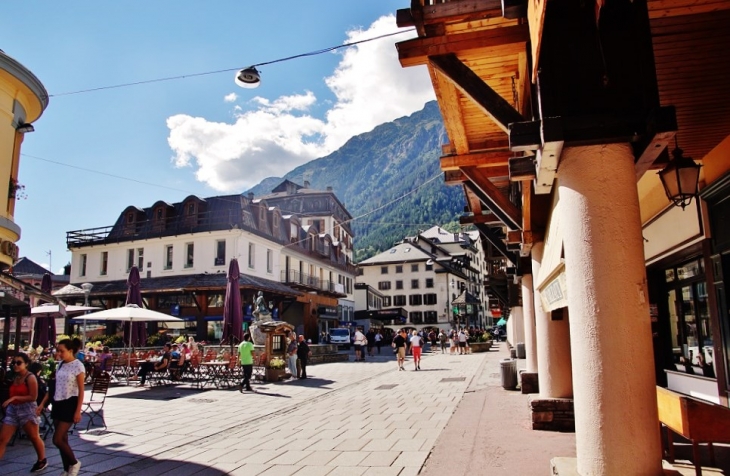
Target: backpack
442,337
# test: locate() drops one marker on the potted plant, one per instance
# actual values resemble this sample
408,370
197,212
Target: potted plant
275,370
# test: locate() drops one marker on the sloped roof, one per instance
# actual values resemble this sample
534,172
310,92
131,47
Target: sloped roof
399,253
26,266
188,283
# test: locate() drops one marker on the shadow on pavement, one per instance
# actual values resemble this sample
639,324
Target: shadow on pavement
160,393
311,382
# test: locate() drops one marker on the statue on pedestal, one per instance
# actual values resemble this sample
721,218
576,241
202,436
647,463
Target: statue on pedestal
261,314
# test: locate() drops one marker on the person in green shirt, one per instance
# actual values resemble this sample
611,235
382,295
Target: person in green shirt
245,356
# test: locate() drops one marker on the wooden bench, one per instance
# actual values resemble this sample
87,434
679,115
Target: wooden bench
696,420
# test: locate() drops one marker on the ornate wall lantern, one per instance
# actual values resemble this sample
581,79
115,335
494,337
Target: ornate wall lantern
680,179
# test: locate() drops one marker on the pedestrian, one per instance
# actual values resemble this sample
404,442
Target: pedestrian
416,345
370,339
360,342
461,337
20,411
378,340
442,340
303,353
291,352
452,341
399,344
67,400
245,357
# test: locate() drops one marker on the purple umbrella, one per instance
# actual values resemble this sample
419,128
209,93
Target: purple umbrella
134,296
44,330
232,315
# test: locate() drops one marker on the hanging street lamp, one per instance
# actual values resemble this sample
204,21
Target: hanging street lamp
680,179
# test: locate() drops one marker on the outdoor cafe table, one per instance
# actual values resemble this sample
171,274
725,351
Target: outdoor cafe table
215,372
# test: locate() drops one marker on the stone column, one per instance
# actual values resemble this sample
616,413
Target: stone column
616,422
515,329
528,316
553,343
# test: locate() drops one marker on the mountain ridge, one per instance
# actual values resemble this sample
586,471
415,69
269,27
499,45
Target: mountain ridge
394,162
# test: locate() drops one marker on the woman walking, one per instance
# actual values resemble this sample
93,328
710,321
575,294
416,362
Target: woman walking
416,344
67,400
20,411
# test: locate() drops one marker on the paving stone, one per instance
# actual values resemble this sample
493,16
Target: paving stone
316,471
380,458
349,458
411,458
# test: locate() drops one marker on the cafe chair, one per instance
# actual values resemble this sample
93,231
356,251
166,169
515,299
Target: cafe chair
95,405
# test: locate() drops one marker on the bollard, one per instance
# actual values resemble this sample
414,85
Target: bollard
508,369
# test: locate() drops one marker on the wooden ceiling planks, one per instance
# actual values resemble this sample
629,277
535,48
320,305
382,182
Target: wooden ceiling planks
692,59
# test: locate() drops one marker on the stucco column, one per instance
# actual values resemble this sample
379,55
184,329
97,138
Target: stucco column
553,343
528,316
616,422
515,331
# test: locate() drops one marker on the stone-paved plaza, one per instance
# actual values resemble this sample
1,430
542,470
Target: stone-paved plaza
356,417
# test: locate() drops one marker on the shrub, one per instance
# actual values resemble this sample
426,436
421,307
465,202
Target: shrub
114,341
486,337
180,340
154,340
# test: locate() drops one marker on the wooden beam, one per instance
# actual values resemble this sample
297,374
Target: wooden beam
536,21
507,40
486,219
661,130
492,237
472,201
450,106
548,156
473,87
477,159
514,237
461,11
457,177
493,198
522,169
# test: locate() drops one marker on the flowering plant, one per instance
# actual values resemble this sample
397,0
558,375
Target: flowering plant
277,363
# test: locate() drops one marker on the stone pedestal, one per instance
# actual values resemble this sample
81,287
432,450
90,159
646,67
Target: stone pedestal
552,414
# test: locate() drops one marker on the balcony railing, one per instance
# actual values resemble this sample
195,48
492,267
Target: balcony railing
304,280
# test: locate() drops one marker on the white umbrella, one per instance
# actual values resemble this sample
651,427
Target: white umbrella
59,310
129,313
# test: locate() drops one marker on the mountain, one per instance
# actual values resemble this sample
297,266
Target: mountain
378,167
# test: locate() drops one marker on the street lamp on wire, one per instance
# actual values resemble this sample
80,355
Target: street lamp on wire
86,287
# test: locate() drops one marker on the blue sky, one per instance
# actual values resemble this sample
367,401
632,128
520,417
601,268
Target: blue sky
200,135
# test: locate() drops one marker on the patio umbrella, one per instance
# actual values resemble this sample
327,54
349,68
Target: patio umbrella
502,322
232,315
138,337
131,314
44,329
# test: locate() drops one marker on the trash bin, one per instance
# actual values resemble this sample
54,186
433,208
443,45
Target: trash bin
520,350
513,353
508,368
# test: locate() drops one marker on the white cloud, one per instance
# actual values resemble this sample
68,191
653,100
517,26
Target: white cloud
276,135
230,97
45,265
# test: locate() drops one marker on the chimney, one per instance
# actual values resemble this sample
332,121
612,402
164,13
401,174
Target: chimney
306,184
329,188
250,195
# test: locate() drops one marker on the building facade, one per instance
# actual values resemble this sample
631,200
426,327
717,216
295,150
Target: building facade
23,98
556,116
420,277
183,251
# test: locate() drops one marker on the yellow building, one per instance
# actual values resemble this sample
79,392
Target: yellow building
22,101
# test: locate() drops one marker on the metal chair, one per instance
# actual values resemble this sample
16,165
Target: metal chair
95,405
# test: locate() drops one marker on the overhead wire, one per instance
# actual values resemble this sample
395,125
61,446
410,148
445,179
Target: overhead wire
187,192
228,70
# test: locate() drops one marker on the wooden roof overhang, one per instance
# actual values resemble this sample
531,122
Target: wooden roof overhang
506,122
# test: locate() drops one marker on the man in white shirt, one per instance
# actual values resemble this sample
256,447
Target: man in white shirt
462,341
359,344
378,340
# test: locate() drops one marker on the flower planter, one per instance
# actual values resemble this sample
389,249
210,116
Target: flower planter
480,346
274,375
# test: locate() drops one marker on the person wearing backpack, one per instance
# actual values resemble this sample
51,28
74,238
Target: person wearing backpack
443,338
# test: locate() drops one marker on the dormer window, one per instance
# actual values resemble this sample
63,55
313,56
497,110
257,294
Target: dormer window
191,208
159,214
130,217
262,214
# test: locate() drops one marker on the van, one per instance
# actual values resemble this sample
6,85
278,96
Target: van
340,336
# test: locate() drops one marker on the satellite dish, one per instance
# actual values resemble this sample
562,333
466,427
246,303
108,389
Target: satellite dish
248,78
429,262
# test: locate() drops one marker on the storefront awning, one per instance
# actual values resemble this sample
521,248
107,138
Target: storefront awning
382,314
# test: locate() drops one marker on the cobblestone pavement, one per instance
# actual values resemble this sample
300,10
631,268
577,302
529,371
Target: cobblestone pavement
348,418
